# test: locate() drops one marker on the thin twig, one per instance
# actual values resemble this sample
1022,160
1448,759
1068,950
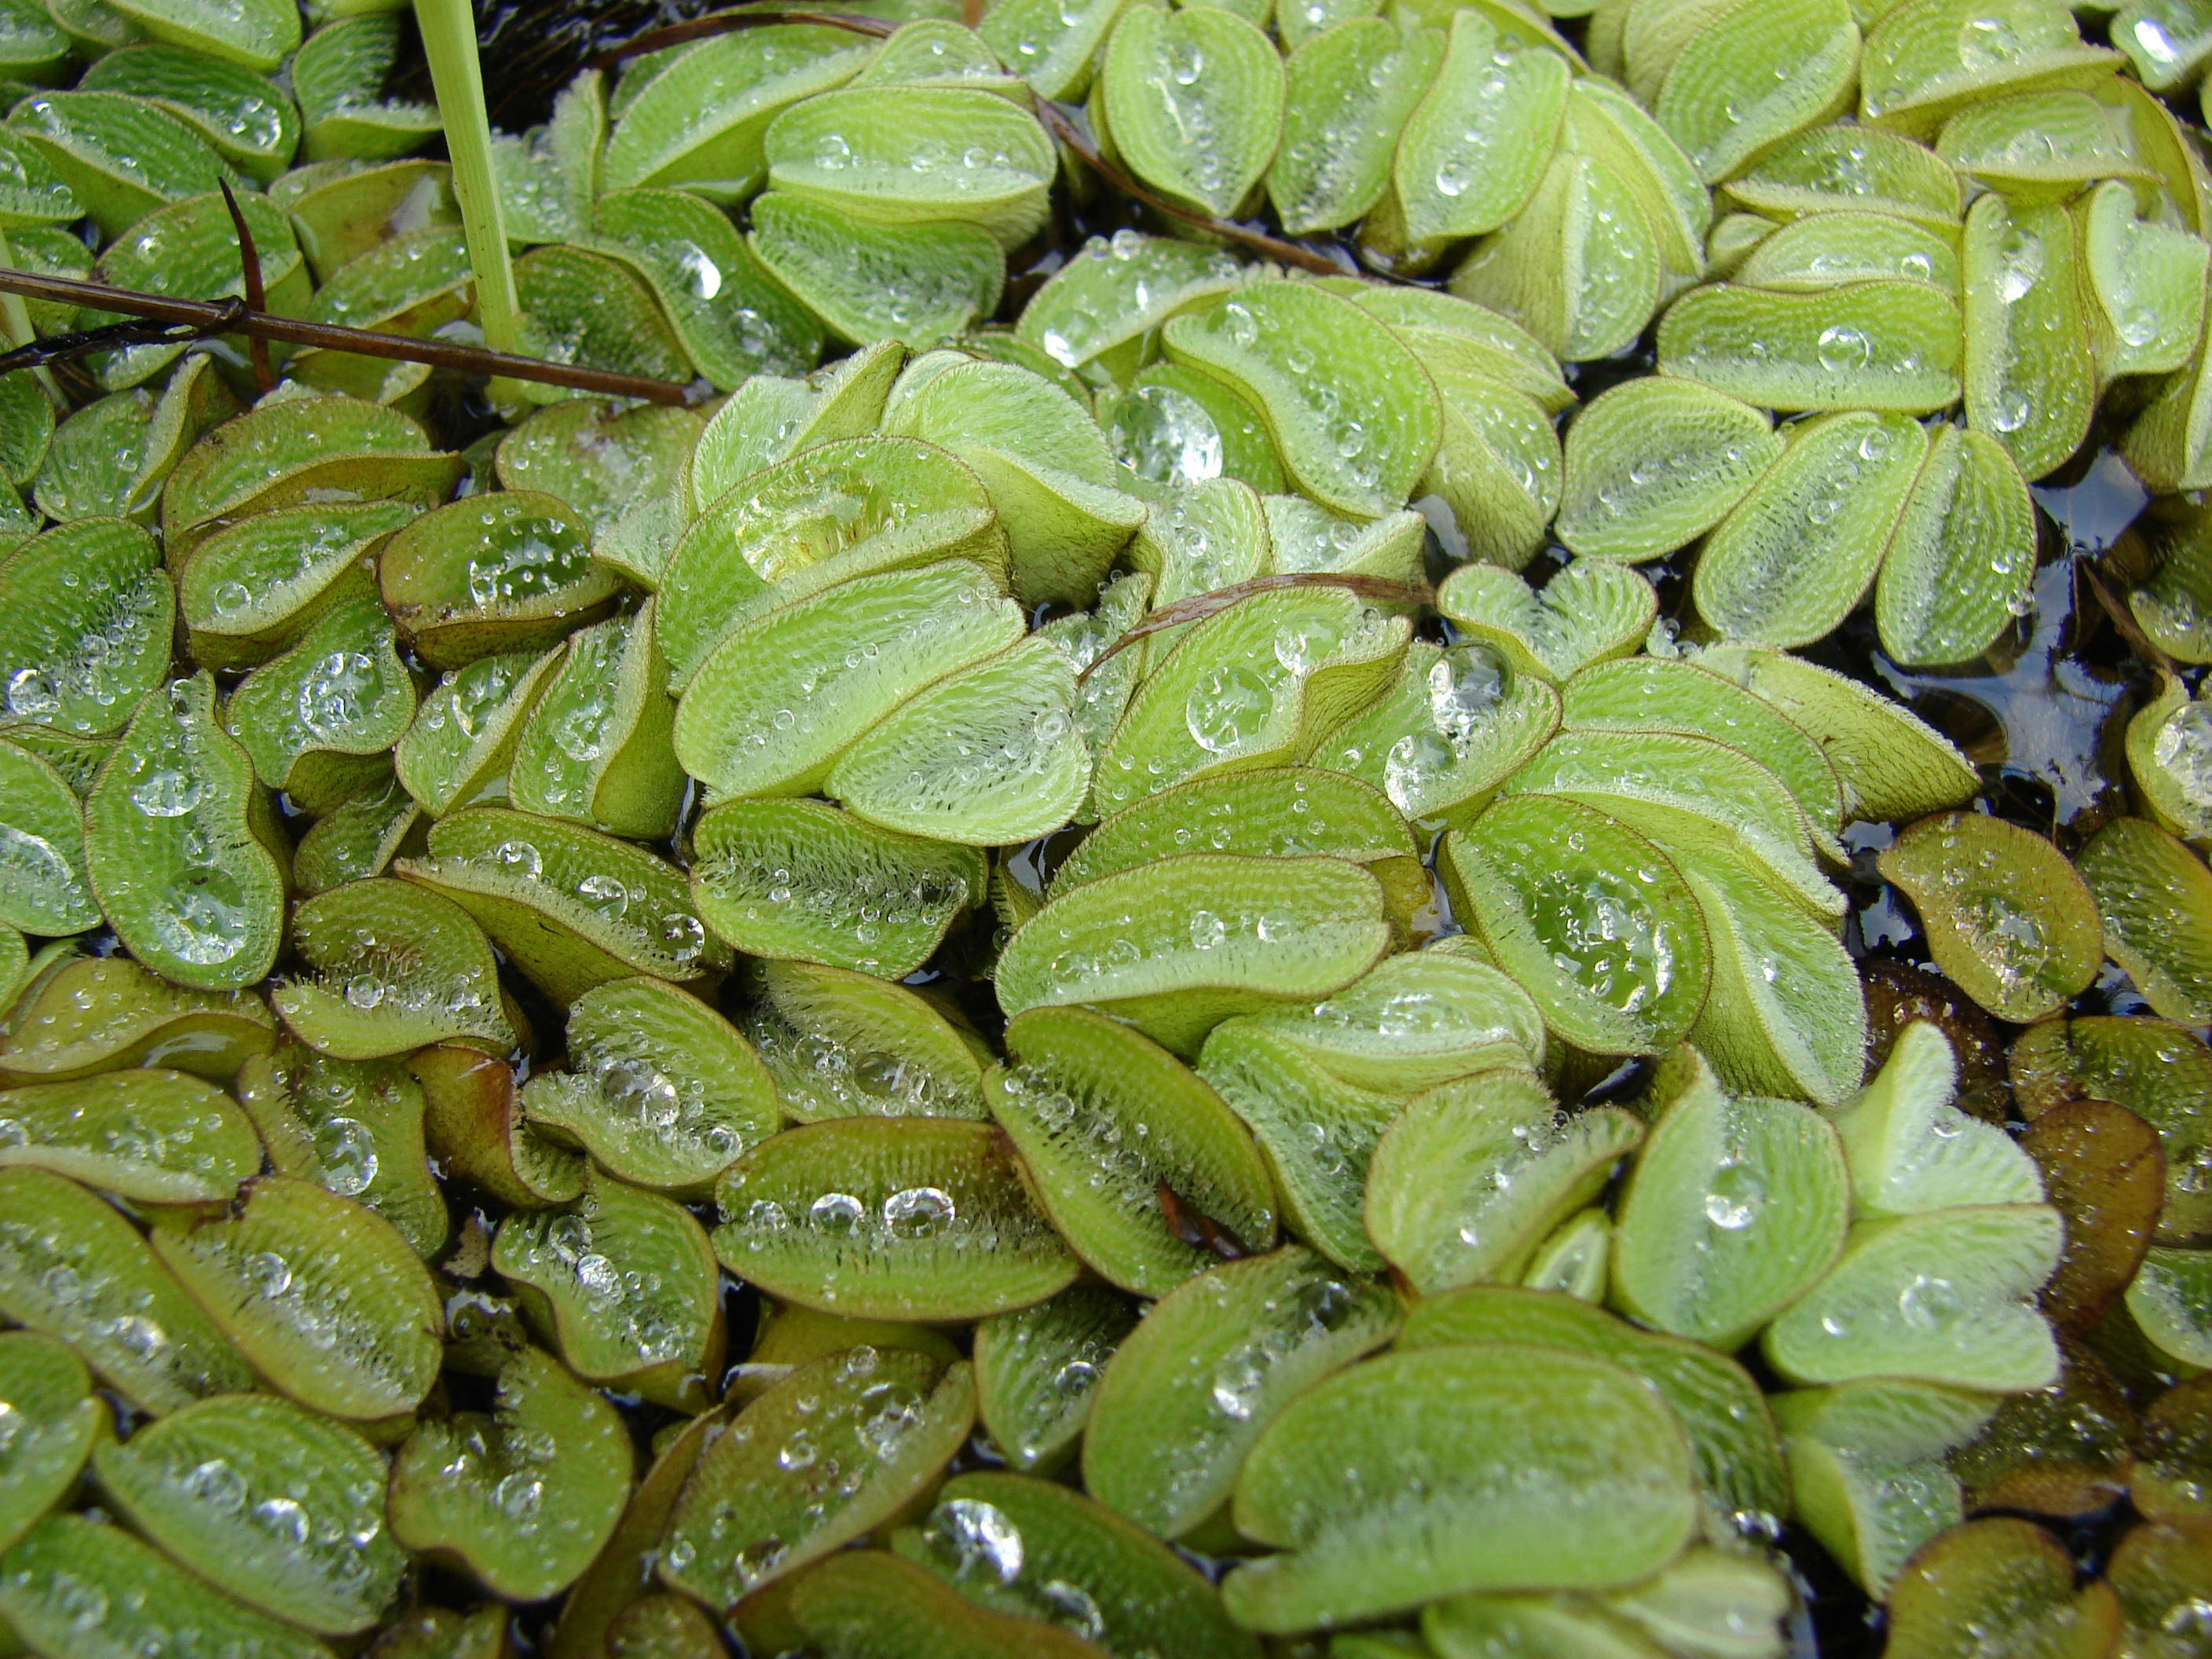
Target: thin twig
234,316
704,28
257,297
51,349
1199,606
1063,127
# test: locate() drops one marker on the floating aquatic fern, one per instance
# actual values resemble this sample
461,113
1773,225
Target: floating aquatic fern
1236,882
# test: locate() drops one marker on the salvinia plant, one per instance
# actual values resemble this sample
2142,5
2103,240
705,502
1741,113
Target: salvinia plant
1344,829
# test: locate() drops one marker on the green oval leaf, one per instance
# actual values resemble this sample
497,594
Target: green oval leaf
784,1484
1732,1437
317,720
1331,170
1911,1150
1473,1175
1037,1370
1119,1142
1931,57
1893,345
1023,1546
524,1498
571,908
1206,936
2153,894
1593,920
68,1562
1959,565
902,1217
1190,1389
391,967
772,706
801,879
2030,381
55,1421
1737,1205
511,571
43,886
845,1044
1797,553
323,1296
283,1508
353,1127
1941,1296
1474,148
926,154
1891,763
623,1283
1653,463
699,121
990,755
157,1137
867,281
2007,918
1579,267
253,589
81,654
173,829
1415,1020
81,1015
120,156
74,1270
1194,101
1835,167
1453,724
1500,1469
1353,413
660,1089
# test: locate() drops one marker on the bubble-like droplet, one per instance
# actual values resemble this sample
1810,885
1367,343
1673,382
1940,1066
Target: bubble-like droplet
1929,1301
1227,708
31,694
1844,348
1735,1195
836,1213
168,793
1238,1378
519,859
919,1213
1075,1379
976,1540
2183,749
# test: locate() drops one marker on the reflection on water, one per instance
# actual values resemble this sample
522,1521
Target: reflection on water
2038,714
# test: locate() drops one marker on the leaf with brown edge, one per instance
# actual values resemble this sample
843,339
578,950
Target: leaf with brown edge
2060,1451
2159,1572
1898,994
2173,1455
1197,1229
2001,1585
475,1125
2104,1171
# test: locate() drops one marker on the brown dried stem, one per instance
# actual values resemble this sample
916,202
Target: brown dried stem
1064,127
1199,606
256,296
703,29
235,316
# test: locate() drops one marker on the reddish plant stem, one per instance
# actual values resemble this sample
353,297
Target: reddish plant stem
234,316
